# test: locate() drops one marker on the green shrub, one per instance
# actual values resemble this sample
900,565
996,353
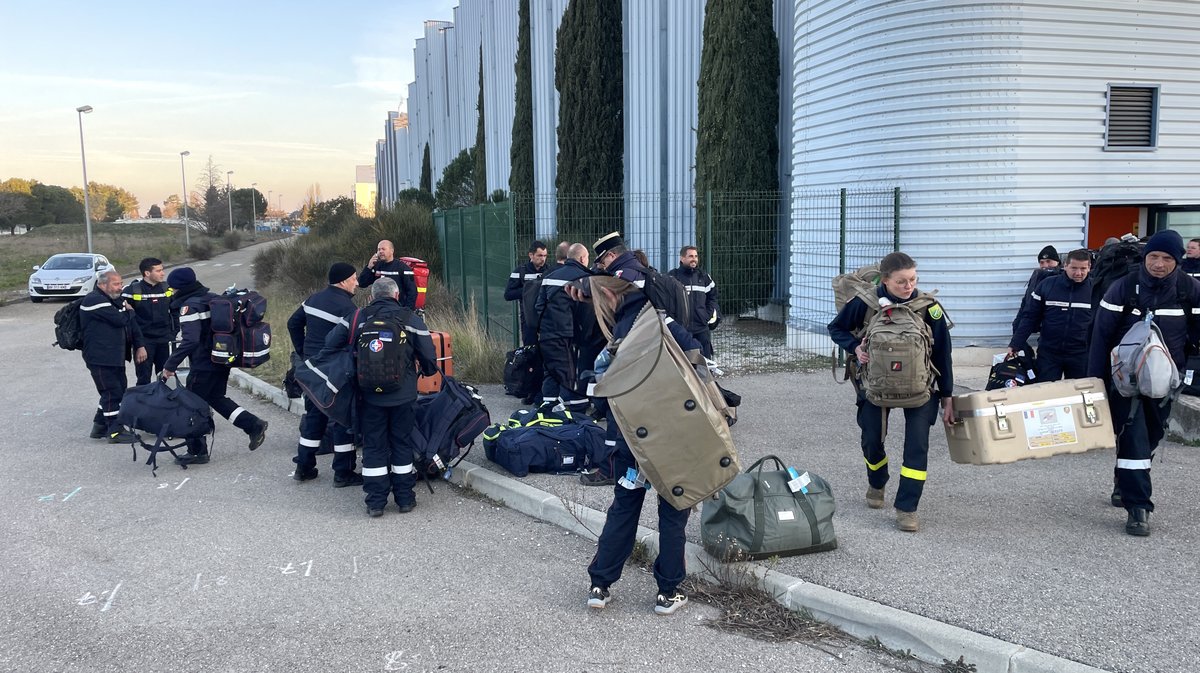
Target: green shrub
268,262
232,240
410,227
201,248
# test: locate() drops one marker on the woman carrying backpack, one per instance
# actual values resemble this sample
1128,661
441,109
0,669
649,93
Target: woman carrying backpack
913,372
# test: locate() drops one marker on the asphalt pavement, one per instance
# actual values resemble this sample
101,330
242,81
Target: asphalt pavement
233,566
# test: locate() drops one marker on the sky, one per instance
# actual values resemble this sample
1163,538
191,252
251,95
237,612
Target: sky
284,94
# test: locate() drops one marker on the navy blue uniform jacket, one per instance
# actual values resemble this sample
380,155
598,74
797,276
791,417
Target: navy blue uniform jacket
1179,322
854,315
561,317
343,335
1061,310
397,271
110,333
702,294
195,327
319,314
152,308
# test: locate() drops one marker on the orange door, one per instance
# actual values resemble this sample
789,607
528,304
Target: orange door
1111,221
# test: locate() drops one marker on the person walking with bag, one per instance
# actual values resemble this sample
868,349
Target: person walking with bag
921,384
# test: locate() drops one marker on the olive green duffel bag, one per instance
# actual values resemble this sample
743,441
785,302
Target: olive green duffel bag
764,513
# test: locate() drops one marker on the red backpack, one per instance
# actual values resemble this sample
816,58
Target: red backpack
421,275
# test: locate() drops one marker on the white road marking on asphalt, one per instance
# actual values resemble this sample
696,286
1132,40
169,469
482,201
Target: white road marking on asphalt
238,264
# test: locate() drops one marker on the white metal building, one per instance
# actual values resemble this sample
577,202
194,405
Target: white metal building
996,121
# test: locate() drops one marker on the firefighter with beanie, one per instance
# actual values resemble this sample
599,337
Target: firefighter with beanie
110,338
386,339
308,327
1048,264
209,380
1162,290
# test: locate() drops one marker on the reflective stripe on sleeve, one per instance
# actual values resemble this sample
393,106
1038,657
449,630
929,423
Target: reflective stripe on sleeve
1174,312
554,282
414,330
1037,296
324,315
94,307
1116,308
204,315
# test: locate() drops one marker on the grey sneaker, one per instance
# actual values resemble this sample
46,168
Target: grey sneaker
874,498
907,521
667,604
598,598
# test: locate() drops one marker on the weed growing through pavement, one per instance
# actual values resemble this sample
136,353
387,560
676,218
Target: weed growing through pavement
575,510
469,491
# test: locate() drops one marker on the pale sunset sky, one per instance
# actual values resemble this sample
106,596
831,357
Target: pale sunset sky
285,94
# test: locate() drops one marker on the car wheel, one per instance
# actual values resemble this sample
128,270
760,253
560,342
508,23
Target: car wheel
36,300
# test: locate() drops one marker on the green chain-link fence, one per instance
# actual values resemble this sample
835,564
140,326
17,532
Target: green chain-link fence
772,255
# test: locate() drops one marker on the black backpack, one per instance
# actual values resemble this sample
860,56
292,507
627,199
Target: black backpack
168,413
68,334
383,352
240,336
444,424
1013,372
1113,263
668,295
522,371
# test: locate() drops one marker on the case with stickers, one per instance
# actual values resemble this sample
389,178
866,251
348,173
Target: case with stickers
1034,421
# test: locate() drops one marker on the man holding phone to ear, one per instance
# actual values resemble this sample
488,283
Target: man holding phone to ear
383,264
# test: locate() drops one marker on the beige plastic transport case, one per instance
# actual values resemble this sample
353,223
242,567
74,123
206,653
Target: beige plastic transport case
1044,419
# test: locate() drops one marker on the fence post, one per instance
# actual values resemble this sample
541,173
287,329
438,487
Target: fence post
512,254
842,231
896,219
708,239
487,323
462,262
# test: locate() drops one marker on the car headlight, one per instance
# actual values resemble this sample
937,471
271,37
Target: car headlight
35,280
82,279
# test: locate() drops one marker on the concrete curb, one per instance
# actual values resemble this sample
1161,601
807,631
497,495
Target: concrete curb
929,640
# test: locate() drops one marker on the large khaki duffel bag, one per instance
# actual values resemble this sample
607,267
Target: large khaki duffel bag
765,513
676,431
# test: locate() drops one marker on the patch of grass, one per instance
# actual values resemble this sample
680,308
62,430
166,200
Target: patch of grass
280,305
124,244
477,357
640,556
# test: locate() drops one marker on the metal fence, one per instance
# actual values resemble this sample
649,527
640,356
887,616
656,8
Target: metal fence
771,254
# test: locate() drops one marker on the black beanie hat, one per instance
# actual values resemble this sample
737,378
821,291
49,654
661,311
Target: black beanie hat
181,278
1166,241
340,271
1048,252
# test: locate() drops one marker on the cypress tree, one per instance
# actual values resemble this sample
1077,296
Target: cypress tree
481,193
591,134
737,148
426,173
520,180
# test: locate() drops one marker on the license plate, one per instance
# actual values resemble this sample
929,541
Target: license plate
58,286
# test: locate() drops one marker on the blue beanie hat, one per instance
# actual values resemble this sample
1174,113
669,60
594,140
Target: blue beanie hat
181,278
1167,241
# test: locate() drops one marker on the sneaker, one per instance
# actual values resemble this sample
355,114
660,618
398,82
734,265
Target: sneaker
121,437
405,509
874,498
302,474
342,481
599,597
258,436
99,431
667,604
192,459
907,521
374,513
1138,522
595,478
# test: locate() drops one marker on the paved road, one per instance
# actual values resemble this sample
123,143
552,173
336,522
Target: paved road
232,566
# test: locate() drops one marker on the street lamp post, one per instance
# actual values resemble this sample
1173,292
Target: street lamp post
281,203
253,216
87,204
269,193
229,196
187,234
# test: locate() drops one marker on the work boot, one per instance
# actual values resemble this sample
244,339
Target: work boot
258,436
99,431
1138,522
907,521
1115,498
302,474
344,480
874,498
192,459
595,478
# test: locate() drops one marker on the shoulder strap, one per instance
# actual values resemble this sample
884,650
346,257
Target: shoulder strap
353,326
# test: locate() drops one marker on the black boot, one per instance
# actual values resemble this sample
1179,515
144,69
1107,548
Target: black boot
1115,498
99,431
257,435
1138,522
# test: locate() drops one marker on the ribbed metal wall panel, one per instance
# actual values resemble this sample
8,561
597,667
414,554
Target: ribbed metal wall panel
418,107
990,117
500,24
544,17
439,36
468,22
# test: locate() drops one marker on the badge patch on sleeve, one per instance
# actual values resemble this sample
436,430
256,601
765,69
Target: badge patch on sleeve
935,312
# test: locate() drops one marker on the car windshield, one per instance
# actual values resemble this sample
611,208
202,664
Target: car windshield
68,263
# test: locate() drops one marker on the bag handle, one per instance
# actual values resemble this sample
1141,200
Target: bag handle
760,463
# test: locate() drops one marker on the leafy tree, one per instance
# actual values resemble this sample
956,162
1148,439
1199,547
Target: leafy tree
173,206
312,196
327,217
426,172
98,196
591,135
242,199
480,148
58,205
155,212
520,179
456,189
14,206
417,196
113,210
737,149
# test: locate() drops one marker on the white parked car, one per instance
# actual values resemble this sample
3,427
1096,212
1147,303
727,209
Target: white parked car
68,274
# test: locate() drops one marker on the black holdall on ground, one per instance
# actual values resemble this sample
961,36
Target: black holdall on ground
169,413
522,371
444,424
764,513
68,335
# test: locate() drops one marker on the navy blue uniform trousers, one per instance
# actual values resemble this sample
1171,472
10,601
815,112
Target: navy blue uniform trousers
917,421
314,425
387,454
1138,435
111,383
156,357
1053,365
